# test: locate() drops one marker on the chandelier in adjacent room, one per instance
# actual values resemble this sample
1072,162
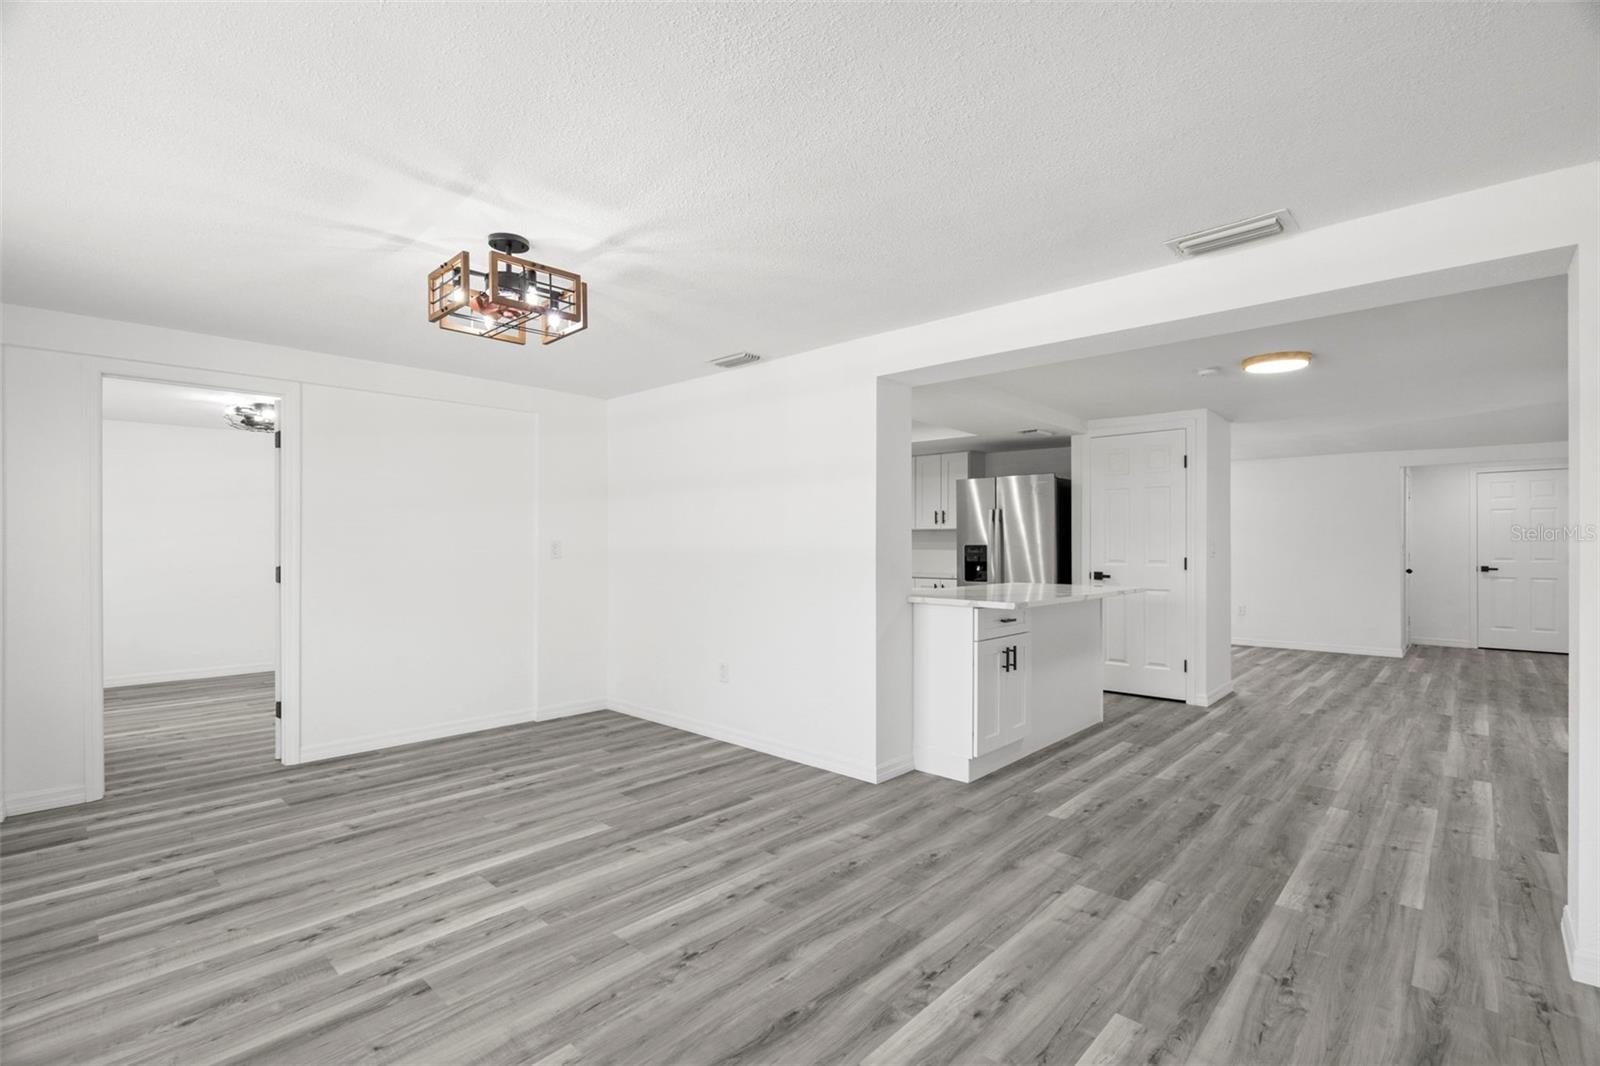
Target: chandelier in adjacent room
513,298
256,417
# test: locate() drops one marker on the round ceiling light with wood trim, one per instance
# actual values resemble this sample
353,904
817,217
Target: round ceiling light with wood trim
1275,362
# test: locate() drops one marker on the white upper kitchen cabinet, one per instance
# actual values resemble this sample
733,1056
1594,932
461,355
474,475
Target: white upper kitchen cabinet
934,488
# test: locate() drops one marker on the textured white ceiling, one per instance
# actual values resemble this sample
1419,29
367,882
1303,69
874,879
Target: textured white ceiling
1483,367
765,177
126,400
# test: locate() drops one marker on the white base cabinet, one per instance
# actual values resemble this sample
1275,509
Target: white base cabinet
991,686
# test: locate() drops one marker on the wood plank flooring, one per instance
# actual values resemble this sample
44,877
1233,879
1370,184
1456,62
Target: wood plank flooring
1353,860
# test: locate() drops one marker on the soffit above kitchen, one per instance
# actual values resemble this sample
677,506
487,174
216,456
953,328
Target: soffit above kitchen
1484,367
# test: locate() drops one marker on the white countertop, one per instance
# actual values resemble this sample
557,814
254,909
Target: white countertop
1015,597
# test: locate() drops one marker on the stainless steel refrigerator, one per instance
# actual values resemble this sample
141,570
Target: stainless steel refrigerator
1013,529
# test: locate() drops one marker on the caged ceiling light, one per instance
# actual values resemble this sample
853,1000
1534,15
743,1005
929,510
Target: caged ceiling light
513,298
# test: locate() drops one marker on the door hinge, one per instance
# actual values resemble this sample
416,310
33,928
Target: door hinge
1186,462
277,574
1186,666
277,709
277,438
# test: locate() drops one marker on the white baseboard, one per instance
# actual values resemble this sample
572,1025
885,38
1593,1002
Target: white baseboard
44,799
395,738
568,709
1583,965
1443,642
1215,694
197,674
895,767
1337,649
861,772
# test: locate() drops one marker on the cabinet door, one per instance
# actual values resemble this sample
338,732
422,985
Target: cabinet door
1014,710
1000,702
953,466
928,491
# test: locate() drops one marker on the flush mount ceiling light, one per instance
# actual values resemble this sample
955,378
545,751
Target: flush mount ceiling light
513,298
1218,237
1276,362
256,417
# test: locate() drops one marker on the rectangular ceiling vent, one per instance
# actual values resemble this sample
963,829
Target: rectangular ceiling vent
728,362
1218,237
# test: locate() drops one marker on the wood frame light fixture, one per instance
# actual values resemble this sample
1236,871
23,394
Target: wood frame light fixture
510,300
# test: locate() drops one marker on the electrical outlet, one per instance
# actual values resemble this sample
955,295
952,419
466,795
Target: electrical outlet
722,672
555,549
1241,610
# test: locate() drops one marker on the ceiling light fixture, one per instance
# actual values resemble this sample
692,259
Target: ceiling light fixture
1208,371
255,417
1276,362
1218,237
513,298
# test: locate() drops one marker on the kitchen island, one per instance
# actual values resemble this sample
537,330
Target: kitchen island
1001,671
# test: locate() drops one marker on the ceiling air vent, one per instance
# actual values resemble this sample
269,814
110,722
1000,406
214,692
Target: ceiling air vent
728,362
1219,237
1036,432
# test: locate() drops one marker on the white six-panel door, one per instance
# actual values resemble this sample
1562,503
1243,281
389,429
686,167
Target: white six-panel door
1139,522
1522,560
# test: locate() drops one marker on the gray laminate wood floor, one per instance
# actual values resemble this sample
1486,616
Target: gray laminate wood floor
1354,860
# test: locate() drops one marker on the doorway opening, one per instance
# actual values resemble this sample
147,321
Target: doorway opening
1487,553
190,583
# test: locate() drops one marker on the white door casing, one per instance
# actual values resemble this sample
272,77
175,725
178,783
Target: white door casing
1139,521
1521,537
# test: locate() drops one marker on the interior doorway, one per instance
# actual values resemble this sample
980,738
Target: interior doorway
190,581
1486,548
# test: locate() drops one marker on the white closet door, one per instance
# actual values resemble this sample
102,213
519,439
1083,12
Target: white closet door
1522,560
1139,521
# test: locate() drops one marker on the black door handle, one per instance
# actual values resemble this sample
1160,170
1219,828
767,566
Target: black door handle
1408,569
1486,569
1100,575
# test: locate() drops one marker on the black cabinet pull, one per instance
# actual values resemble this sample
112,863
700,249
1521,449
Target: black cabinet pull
1486,569
1101,575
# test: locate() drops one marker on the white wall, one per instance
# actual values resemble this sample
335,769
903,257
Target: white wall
744,517
52,365
1316,553
1317,557
420,569
190,524
1057,461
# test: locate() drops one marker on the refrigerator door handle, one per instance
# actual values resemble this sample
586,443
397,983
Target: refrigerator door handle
997,564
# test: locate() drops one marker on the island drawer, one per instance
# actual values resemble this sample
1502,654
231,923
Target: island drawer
991,623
